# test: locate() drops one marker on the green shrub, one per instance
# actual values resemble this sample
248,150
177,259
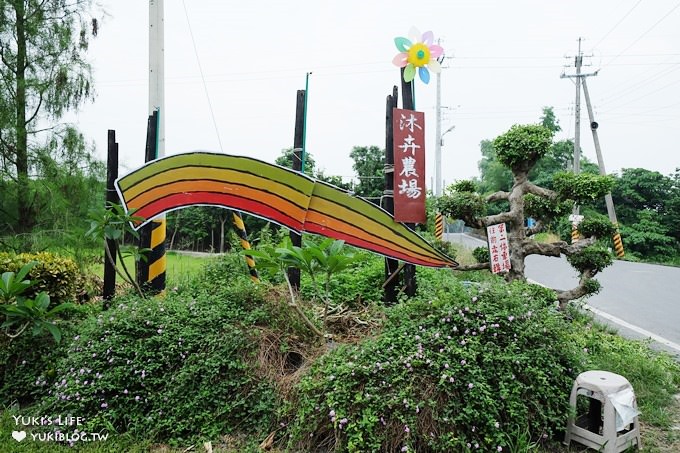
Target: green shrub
175,368
457,370
56,275
593,257
24,362
481,254
360,284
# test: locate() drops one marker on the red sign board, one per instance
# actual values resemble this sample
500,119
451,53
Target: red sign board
498,248
409,166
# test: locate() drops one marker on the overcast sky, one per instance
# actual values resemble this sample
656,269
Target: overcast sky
507,57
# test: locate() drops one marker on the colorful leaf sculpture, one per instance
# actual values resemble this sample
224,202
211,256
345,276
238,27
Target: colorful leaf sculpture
275,193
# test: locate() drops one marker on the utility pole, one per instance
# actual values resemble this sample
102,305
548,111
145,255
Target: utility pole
576,218
438,133
578,62
151,273
438,144
611,212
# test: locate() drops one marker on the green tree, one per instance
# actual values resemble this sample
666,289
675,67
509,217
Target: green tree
549,121
638,189
369,165
519,150
44,74
648,238
493,175
288,155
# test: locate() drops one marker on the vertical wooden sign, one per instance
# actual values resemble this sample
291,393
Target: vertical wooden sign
409,166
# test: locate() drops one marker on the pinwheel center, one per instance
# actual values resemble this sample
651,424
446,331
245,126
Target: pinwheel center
419,55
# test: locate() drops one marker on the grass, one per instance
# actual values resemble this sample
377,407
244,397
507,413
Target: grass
179,267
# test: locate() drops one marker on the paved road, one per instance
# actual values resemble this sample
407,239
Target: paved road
641,300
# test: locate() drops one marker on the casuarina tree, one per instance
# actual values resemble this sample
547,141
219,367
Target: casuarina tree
43,74
519,150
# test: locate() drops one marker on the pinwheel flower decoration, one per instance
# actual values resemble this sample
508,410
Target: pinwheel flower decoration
418,52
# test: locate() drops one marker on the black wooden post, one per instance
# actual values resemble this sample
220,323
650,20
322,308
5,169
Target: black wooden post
111,197
391,265
295,238
409,269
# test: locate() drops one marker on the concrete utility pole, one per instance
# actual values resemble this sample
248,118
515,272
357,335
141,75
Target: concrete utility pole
157,69
611,212
439,142
578,62
581,79
438,133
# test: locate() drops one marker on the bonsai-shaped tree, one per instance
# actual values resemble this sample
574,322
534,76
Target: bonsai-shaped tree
519,149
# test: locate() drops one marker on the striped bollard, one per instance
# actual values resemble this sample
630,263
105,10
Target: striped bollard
151,274
240,228
618,244
439,226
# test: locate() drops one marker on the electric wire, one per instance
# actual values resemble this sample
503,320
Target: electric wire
617,24
200,69
644,34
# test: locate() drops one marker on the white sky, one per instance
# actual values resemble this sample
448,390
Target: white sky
506,65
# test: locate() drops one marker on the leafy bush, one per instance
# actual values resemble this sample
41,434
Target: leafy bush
453,372
359,284
593,257
596,225
523,145
481,254
461,205
583,187
55,275
172,368
25,361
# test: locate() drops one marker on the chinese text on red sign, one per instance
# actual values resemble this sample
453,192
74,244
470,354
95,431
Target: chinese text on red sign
499,254
409,166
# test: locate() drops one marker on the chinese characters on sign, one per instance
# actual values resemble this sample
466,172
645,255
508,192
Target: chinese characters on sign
499,253
409,166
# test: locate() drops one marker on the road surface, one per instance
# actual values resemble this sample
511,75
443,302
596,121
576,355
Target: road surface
641,300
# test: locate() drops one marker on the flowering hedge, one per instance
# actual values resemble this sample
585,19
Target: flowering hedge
468,369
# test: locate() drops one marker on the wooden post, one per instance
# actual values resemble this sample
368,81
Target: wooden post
111,197
298,139
391,285
410,269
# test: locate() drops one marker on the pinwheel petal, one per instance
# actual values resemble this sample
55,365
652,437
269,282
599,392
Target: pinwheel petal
409,72
428,38
414,35
424,75
402,43
434,66
400,59
436,51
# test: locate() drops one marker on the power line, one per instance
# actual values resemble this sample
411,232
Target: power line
617,24
645,33
200,69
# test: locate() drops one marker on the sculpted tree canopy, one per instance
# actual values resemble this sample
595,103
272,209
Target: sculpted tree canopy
519,150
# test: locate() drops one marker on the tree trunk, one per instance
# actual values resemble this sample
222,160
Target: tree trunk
515,228
223,220
25,216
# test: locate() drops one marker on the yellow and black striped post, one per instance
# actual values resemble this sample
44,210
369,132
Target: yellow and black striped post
618,244
574,233
151,273
439,226
240,228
